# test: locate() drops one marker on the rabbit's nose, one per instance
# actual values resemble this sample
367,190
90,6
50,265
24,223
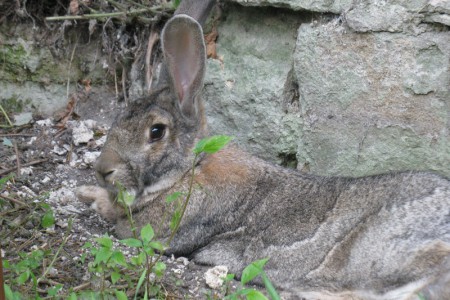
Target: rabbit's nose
105,171
106,175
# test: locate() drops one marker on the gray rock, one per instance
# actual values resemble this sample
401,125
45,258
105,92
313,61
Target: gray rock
333,6
374,102
244,95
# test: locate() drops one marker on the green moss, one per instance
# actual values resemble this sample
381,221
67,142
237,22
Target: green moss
14,104
11,62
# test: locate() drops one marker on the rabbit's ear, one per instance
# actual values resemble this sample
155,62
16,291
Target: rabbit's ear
185,55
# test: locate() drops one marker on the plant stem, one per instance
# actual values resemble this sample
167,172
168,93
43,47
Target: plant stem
186,202
10,124
67,235
2,291
269,287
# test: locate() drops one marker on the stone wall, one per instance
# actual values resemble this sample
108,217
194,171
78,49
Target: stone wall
340,88
39,68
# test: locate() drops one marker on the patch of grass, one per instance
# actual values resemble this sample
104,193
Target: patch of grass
119,276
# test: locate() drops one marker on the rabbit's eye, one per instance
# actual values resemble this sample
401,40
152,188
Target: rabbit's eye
157,132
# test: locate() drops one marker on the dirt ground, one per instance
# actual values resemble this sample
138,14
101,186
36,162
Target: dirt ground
50,159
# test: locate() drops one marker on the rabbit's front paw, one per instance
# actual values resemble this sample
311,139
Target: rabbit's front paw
99,199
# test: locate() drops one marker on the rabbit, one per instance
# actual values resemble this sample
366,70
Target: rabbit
376,237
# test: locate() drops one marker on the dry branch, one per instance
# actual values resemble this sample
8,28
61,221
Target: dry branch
154,10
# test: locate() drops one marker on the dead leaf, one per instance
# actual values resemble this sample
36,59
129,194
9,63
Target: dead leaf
63,116
87,85
210,40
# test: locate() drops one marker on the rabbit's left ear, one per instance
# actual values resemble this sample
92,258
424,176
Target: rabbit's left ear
184,51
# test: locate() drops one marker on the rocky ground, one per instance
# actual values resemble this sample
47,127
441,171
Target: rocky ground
50,157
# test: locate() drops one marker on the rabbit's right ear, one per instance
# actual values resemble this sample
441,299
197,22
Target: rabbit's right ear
185,55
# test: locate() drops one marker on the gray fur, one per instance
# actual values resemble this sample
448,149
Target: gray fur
379,237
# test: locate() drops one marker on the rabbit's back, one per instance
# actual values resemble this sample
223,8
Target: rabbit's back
373,232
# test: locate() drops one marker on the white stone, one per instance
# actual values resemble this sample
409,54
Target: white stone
214,277
58,150
32,140
46,179
91,124
90,157
81,134
183,260
46,122
101,141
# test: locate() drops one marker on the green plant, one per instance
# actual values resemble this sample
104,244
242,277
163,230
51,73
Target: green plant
119,277
250,272
25,273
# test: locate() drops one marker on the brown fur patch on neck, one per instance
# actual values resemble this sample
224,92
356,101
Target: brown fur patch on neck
228,166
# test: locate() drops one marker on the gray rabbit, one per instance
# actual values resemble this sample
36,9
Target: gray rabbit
378,237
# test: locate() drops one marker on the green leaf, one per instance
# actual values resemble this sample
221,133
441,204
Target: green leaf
131,242
102,255
212,144
87,245
156,245
172,197
72,296
255,295
159,269
83,258
54,290
175,219
48,219
253,270
123,196
421,296
119,258
5,179
141,280
105,241
6,264
23,277
128,198
149,250
229,277
139,259
121,295
115,276
176,3
8,292
147,233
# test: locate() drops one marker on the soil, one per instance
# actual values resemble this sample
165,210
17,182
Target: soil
49,162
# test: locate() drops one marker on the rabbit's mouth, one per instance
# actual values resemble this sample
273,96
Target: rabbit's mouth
160,186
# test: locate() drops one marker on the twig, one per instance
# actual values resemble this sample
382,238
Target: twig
124,84
10,124
14,200
117,5
81,286
154,10
24,165
136,3
60,133
64,241
154,37
50,281
16,150
2,290
16,134
70,66
115,84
